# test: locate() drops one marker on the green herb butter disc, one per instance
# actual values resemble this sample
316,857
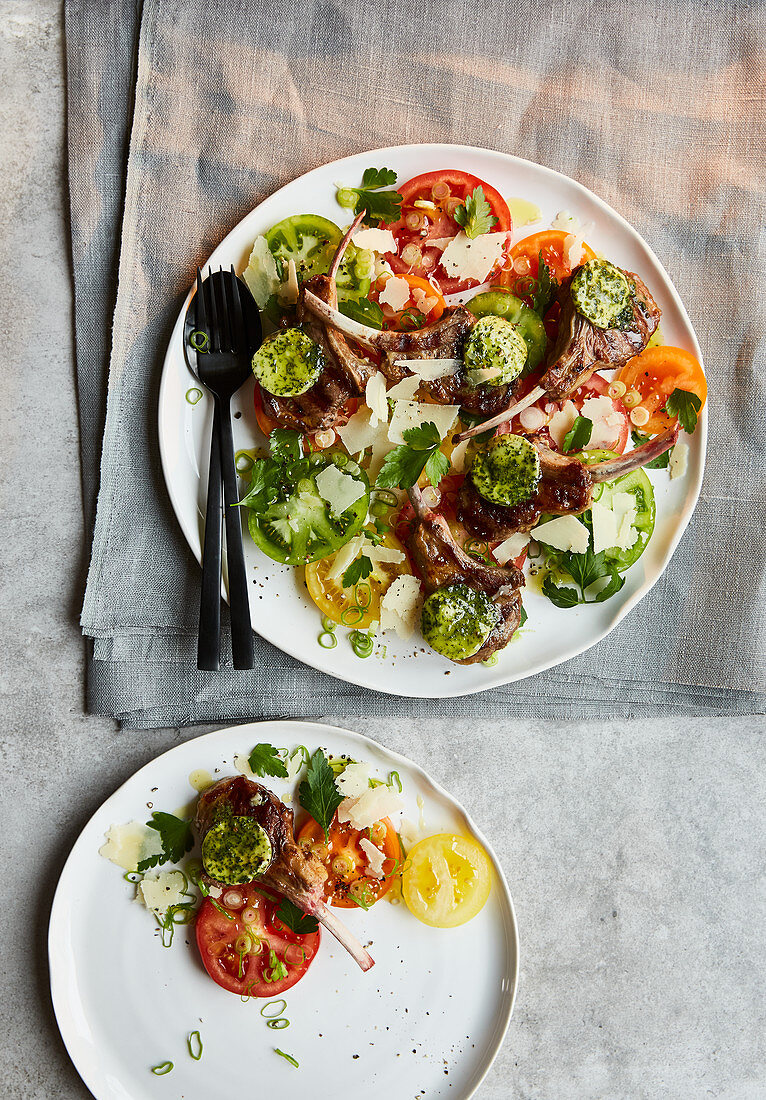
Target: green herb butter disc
508,471
457,620
495,345
600,292
288,364
236,850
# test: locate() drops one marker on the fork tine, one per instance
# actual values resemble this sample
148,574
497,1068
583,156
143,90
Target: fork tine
237,319
200,318
215,332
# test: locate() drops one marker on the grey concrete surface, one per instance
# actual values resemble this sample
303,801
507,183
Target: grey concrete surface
634,850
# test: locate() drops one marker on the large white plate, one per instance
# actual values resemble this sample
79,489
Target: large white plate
427,1020
281,610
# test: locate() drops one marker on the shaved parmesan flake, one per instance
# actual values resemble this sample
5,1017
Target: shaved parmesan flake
400,605
604,527
566,221
338,489
386,555
404,390
424,302
375,396
563,533
457,458
627,533
345,556
377,240
375,858
261,272
438,242
288,290
484,374
411,414
354,780
396,294
607,421
359,433
561,422
511,548
679,460
375,804
431,369
464,258
159,890
127,845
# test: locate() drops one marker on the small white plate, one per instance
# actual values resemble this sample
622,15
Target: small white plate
281,610
425,1022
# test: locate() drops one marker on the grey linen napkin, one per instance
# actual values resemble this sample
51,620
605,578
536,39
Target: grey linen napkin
183,116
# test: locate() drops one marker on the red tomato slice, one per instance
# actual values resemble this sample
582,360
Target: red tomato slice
417,225
224,934
346,861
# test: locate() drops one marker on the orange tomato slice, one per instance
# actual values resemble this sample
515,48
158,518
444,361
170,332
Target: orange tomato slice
346,861
655,373
551,243
415,283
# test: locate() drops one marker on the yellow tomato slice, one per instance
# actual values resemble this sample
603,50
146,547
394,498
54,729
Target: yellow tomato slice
447,879
338,603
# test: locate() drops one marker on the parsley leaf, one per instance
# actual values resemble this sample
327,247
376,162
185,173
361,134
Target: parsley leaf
546,287
317,793
660,463
286,445
359,570
559,595
475,215
379,206
295,919
585,569
685,406
578,437
366,312
615,584
420,451
265,760
175,836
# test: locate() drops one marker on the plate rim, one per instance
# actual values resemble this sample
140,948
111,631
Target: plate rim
57,969
443,690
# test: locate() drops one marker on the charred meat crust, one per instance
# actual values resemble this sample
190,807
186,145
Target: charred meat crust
440,561
582,348
241,797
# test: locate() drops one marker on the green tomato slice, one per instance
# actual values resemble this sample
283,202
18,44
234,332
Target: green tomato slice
296,525
529,325
637,485
311,241
457,620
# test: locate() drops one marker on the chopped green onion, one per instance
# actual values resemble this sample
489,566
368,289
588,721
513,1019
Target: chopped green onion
280,1006
379,508
490,662
132,876
162,1069
394,777
194,1043
243,462
278,968
193,395
351,616
330,626
278,1024
387,496
222,911
362,644
477,549
340,459
300,951
199,340
363,594
304,752
327,640
288,1057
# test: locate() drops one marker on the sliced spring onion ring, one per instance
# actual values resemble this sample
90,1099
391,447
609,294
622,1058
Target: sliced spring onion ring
133,876
243,462
193,395
491,661
330,626
327,640
194,1044
278,1024
162,1069
394,777
363,594
199,340
280,1006
362,644
351,616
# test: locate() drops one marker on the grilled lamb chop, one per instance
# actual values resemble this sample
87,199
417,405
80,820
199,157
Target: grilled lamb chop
440,561
345,374
443,339
565,488
293,872
581,348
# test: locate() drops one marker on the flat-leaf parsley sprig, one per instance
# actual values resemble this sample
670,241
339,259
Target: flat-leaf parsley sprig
318,794
378,205
420,451
475,214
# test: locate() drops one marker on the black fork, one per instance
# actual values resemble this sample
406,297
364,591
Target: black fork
223,367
